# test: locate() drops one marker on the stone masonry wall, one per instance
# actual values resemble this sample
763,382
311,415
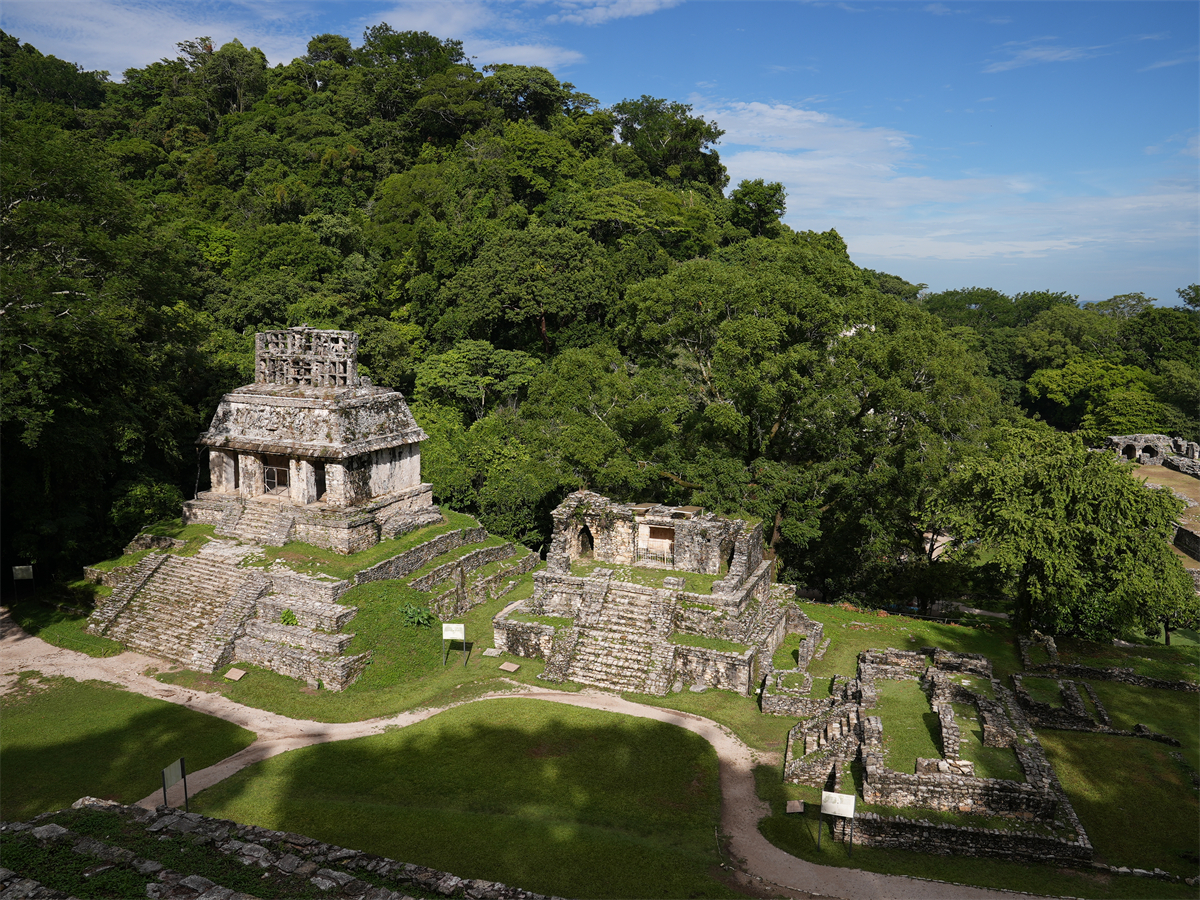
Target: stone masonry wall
411,560
945,840
726,671
532,640
1187,541
334,674
476,559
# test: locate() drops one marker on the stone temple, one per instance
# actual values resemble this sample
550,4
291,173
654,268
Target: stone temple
311,451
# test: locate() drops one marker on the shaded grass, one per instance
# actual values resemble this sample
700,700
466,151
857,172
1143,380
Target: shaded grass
852,630
556,621
1135,801
1179,662
1172,713
309,560
61,627
797,834
705,642
910,726
1043,690
565,801
64,739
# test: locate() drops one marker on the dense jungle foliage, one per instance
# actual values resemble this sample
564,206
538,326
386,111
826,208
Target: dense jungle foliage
567,295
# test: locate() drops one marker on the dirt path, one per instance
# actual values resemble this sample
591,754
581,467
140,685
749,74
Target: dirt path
762,866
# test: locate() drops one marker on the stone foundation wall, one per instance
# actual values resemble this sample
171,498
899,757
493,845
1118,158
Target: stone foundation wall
780,702
556,594
334,674
467,594
297,587
107,577
411,560
329,617
532,640
1187,540
1182,464
476,559
726,671
946,840
298,636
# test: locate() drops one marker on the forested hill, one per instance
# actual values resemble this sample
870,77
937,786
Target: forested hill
567,294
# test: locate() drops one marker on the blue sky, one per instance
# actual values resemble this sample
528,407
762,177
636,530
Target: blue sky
1016,145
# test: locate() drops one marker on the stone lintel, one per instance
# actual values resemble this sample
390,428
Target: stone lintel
313,451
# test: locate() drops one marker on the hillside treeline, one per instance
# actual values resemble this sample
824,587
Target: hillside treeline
570,296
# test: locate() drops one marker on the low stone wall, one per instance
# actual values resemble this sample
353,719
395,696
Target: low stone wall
1183,464
898,833
476,559
556,594
107,577
725,671
533,640
1187,541
409,561
298,636
334,674
1121,674
297,587
780,702
330,617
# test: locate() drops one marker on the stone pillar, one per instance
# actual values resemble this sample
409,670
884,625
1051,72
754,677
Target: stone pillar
250,470
222,470
335,485
302,482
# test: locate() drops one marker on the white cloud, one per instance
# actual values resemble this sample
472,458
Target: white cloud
1035,52
1170,62
549,56
105,34
597,12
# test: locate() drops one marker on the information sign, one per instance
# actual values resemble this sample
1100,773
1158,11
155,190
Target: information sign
841,805
175,772
22,573
838,804
454,632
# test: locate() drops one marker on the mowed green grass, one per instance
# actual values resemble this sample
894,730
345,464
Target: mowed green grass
551,798
65,739
853,630
1135,801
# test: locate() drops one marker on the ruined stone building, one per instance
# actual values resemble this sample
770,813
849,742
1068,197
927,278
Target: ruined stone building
311,451
628,634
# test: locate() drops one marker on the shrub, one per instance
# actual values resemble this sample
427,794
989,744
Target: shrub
417,616
287,617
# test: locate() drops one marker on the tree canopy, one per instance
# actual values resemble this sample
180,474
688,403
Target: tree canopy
565,291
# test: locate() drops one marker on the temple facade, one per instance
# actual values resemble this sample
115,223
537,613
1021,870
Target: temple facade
311,451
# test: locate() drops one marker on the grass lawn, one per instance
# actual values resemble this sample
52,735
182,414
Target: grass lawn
1168,712
1135,800
990,762
565,801
787,654
1179,662
64,739
1043,690
851,631
62,627
910,726
797,834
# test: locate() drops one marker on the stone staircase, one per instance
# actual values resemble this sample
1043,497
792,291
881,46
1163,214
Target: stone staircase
188,609
817,748
258,522
614,650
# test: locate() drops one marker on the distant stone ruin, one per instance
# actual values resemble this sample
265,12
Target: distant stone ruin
1157,450
631,630
311,451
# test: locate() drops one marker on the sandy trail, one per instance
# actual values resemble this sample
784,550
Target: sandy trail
760,865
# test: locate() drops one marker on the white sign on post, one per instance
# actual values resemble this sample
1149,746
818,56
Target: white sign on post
838,804
454,632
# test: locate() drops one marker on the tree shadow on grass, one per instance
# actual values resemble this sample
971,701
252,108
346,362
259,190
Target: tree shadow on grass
73,739
554,799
